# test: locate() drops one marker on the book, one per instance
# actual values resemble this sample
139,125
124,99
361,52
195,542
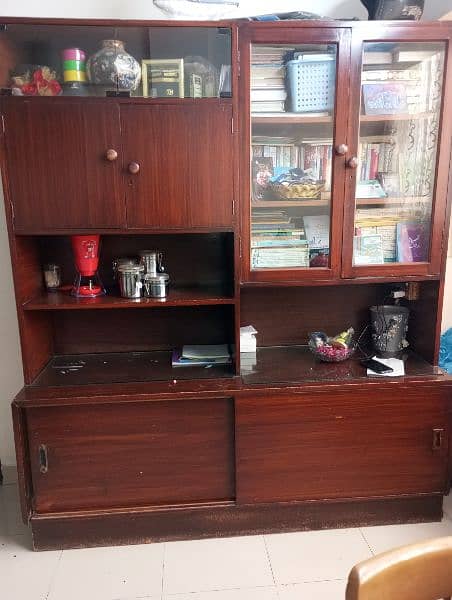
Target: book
370,189
384,98
317,231
412,55
206,351
267,95
388,233
178,360
262,172
278,258
367,250
412,242
270,106
377,57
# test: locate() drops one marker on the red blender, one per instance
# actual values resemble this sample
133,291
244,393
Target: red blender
87,283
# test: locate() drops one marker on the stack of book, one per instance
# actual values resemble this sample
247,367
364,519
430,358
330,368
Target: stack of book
316,158
386,229
377,155
268,90
277,241
202,356
282,151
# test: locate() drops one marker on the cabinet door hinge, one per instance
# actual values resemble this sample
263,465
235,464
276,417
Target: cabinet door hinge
240,247
3,125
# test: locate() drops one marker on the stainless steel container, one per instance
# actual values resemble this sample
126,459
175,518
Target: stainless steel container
156,287
129,279
118,262
151,261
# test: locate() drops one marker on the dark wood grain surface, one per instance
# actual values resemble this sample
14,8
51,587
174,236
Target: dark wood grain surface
297,365
156,453
176,297
185,158
58,174
122,367
139,526
333,445
126,330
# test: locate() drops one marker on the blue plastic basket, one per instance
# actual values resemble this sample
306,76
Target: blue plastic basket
311,84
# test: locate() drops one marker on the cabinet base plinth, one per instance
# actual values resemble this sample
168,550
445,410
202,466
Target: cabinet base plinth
140,526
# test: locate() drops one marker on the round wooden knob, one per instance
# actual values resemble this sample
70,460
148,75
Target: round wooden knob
341,149
134,167
352,162
111,154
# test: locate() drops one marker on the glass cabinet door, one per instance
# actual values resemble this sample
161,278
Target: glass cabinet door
96,60
396,162
292,123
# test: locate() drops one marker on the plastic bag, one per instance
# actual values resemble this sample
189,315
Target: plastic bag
445,351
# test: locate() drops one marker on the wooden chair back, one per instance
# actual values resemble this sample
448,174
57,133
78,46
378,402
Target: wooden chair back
416,572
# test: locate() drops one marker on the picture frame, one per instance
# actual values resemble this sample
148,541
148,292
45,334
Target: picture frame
163,78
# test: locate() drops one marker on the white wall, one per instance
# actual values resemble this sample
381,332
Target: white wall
10,366
10,369
145,9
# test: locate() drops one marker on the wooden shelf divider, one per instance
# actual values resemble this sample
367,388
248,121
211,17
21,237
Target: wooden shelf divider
176,297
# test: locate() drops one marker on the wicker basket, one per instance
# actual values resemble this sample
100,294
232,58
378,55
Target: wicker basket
298,191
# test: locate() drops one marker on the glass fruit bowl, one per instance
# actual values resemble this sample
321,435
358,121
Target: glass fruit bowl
329,353
332,349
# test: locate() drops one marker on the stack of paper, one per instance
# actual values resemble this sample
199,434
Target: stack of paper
201,356
247,339
247,348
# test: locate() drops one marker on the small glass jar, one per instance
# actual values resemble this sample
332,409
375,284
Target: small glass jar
52,277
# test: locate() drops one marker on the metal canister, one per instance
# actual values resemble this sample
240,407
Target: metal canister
129,278
157,286
151,261
118,262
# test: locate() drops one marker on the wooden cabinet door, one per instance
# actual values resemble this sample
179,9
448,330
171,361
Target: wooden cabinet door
58,174
131,454
185,158
343,444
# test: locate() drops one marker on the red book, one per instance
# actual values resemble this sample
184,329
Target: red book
373,164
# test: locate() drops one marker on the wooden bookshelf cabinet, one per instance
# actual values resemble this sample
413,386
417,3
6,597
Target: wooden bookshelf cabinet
377,149
116,446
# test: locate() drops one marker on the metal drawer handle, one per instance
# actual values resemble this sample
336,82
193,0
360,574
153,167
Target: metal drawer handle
43,459
437,441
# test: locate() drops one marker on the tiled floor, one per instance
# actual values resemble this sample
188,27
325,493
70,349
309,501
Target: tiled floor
292,566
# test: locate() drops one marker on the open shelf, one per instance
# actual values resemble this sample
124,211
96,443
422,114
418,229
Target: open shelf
309,202
288,203
122,367
391,200
305,119
297,364
189,296
289,117
395,117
